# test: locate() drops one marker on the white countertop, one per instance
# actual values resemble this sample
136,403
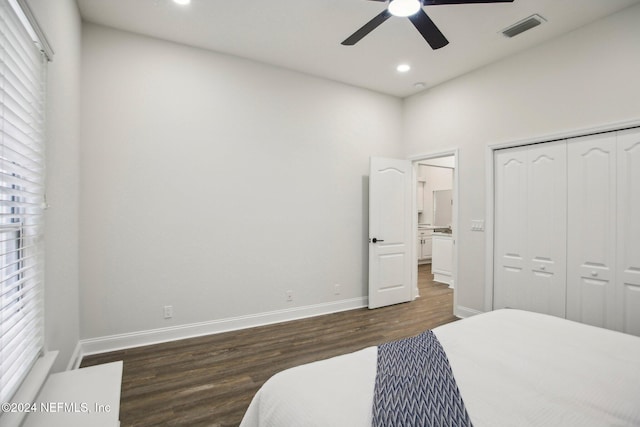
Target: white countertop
433,227
441,234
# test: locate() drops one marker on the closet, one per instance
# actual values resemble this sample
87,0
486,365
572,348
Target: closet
567,229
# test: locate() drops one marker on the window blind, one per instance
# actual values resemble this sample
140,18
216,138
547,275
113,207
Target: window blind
22,68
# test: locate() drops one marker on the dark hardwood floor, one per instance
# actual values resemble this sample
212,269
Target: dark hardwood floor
209,381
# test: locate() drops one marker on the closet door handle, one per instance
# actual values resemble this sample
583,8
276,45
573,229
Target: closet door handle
377,240
594,274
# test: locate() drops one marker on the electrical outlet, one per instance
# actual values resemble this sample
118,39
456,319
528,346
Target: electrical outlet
168,311
289,295
337,288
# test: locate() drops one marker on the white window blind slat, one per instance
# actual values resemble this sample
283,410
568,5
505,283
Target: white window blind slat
26,168
23,283
11,184
18,104
27,206
11,180
22,67
18,141
19,43
24,88
22,128
16,376
16,332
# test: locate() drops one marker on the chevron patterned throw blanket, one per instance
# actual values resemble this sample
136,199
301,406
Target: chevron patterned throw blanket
415,386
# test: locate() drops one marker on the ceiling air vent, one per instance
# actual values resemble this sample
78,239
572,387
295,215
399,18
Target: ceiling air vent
522,26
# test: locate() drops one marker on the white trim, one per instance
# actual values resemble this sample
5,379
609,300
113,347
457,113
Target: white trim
489,193
454,221
464,312
436,155
575,133
488,227
76,358
156,336
33,27
415,293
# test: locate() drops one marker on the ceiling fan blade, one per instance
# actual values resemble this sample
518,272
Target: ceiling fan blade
367,28
437,2
429,30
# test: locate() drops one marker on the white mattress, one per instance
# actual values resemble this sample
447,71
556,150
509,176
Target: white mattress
513,368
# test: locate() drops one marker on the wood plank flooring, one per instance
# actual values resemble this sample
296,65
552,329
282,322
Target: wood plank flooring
209,381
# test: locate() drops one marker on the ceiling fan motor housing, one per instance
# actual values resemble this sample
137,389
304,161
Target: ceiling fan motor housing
412,9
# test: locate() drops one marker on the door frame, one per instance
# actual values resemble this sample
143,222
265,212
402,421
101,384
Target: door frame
454,220
490,187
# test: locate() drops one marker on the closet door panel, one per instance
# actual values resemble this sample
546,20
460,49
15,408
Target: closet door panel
591,237
510,271
628,253
546,227
631,308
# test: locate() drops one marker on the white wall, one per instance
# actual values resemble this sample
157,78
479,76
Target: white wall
585,79
437,178
215,184
61,22
447,162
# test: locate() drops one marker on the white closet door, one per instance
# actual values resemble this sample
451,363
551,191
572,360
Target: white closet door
510,192
546,228
530,228
628,253
591,293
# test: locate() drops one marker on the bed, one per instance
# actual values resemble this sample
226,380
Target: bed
512,368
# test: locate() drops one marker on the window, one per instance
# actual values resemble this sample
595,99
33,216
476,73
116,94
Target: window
22,66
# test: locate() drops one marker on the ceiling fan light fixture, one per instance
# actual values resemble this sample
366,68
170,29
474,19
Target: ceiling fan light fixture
404,7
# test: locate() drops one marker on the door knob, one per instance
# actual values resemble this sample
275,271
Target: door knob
594,273
543,268
377,240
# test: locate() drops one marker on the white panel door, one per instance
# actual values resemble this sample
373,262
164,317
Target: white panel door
591,288
628,253
510,281
546,239
390,231
530,228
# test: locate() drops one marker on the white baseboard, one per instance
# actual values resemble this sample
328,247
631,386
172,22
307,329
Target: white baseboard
463,312
76,358
157,336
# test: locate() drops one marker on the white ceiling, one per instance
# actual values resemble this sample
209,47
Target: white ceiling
305,35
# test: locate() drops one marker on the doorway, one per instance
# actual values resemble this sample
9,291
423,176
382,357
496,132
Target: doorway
435,220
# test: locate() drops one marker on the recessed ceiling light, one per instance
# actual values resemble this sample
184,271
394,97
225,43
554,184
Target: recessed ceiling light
403,68
182,2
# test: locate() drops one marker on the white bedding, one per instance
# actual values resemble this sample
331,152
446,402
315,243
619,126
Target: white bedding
513,368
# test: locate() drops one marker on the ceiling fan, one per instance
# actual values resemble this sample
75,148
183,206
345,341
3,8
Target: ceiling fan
412,9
